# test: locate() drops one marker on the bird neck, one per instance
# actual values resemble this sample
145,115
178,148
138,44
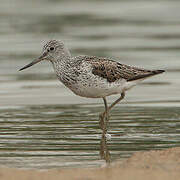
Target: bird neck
62,62
63,57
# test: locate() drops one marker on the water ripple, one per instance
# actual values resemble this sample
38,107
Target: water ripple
72,131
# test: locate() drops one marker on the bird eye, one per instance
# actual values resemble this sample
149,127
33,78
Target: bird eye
51,48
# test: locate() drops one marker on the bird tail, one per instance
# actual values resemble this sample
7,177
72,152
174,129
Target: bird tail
146,75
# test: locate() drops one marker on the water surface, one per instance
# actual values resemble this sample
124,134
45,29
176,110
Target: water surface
68,136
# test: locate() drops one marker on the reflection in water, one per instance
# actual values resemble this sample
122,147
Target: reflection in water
56,136
104,152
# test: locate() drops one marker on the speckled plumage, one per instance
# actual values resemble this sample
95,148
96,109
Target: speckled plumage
95,77
90,76
113,71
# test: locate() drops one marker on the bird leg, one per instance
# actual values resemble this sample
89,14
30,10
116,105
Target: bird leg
102,116
117,101
105,115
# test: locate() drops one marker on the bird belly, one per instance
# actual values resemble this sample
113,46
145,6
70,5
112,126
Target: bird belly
98,89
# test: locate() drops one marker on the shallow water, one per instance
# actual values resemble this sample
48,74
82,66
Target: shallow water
69,136
44,125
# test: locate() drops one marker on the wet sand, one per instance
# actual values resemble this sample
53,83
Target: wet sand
156,165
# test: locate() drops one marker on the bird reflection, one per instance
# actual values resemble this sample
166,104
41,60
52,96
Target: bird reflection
104,152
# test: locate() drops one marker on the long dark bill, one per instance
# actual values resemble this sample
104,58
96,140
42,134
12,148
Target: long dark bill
34,62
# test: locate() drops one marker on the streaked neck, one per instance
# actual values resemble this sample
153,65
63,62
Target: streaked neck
62,62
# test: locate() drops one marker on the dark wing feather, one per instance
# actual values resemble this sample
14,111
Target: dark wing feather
112,70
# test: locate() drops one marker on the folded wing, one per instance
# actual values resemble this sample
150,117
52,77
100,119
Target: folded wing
113,71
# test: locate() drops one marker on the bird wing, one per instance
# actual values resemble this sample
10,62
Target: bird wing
112,70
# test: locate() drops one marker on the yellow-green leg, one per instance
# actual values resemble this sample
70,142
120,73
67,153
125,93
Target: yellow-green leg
104,117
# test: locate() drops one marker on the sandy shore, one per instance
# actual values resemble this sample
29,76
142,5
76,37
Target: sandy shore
156,165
